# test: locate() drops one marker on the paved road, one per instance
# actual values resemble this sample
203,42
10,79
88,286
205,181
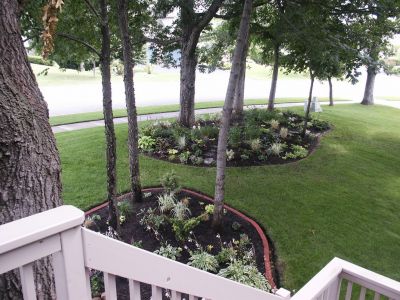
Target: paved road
87,97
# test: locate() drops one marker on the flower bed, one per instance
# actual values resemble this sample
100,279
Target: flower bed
263,137
177,224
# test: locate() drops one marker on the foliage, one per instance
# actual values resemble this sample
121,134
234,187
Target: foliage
125,209
96,283
170,182
151,220
246,274
183,227
181,210
169,251
146,143
166,202
277,148
204,261
298,152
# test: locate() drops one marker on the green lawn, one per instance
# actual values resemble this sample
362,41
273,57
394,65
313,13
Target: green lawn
390,98
341,201
92,116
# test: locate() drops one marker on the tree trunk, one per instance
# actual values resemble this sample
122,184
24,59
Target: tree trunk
240,50
369,87
238,101
111,156
187,87
274,81
29,161
303,134
130,102
330,91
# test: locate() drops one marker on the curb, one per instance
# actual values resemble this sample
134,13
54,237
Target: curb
267,258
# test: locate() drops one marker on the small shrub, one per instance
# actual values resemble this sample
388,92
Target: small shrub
230,154
166,202
124,208
169,251
182,228
181,142
96,283
151,220
170,182
146,143
320,125
277,148
252,132
203,261
226,255
246,274
283,133
209,132
180,211
184,157
298,152
137,244
255,145
274,124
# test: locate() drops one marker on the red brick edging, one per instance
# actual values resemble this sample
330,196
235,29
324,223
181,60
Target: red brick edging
267,260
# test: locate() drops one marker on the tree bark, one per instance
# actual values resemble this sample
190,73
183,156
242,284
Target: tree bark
130,102
312,77
187,86
330,91
274,81
191,30
238,101
29,161
111,156
239,52
368,98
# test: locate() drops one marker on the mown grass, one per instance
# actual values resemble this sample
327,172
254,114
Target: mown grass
341,201
93,116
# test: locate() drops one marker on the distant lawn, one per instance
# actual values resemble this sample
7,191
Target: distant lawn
390,98
93,116
341,201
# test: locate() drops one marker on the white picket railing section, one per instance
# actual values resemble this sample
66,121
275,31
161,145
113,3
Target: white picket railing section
75,250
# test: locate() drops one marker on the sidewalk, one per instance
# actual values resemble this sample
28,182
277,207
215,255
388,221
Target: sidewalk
158,116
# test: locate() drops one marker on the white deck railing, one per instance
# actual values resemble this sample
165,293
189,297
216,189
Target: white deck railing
76,250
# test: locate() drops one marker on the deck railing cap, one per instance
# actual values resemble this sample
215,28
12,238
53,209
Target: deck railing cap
39,226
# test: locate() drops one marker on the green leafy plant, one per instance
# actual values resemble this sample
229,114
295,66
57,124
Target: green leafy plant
204,261
180,210
255,145
297,152
246,274
170,182
166,202
230,154
235,136
274,124
96,283
184,157
277,148
182,228
146,143
181,142
169,251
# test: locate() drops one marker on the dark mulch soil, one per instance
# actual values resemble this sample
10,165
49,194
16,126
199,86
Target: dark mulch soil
131,231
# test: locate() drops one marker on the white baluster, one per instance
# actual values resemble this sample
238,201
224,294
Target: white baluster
156,293
134,290
110,286
349,290
28,282
362,293
377,296
176,295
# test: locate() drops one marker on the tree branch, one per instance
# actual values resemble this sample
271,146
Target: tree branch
92,8
78,40
210,13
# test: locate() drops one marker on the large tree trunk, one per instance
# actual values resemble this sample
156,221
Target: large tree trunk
238,101
29,161
187,86
369,87
307,115
330,91
240,50
274,81
130,103
111,156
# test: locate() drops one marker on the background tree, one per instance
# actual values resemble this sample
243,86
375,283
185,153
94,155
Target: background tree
123,11
29,161
194,16
240,51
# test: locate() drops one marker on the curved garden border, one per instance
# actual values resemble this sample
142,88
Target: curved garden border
264,240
